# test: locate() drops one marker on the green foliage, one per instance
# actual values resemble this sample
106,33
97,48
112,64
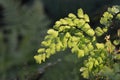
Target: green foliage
112,73
75,33
18,38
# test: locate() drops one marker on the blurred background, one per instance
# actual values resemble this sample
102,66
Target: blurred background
23,25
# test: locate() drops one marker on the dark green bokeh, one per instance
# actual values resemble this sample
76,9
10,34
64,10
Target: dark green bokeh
20,38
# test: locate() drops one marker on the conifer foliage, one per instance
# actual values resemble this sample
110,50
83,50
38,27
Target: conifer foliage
101,59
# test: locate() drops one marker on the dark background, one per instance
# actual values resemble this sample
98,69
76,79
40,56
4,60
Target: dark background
23,25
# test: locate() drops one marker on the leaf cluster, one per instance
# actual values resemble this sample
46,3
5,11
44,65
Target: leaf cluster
75,33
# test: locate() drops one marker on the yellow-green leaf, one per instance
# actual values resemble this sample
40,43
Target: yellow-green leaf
90,32
80,13
71,15
53,32
86,17
38,58
100,45
80,53
41,50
